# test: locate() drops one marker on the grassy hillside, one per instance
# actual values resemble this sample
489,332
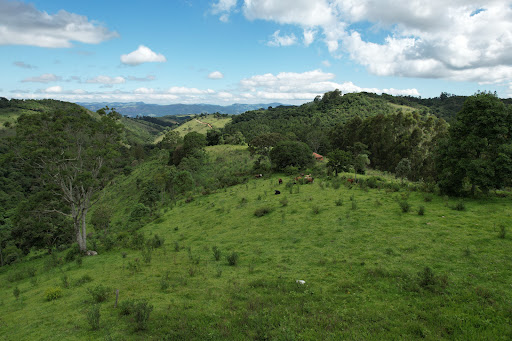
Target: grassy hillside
200,124
371,270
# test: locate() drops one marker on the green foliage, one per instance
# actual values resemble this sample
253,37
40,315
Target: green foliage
403,169
260,212
53,293
459,206
126,307
141,311
16,292
404,205
503,232
216,253
421,210
478,148
429,281
99,293
93,316
232,258
339,161
291,153
82,280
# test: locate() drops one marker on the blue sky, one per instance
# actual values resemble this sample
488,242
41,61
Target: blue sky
251,51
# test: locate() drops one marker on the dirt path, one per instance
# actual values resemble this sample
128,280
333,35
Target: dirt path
208,124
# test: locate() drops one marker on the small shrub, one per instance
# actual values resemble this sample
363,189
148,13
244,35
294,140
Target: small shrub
79,261
93,316
176,246
315,209
157,241
459,206
126,307
73,251
260,212
99,293
429,281
123,254
503,232
216,253
141,311
82,280
16,292
134,266
404,205
53,293
428,197
138,241
421,210
339,202
65,282
232,258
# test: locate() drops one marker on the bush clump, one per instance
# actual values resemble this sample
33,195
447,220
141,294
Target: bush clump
216,253
99,293
139,310
93,316
232,258
53,293
260,212
404,205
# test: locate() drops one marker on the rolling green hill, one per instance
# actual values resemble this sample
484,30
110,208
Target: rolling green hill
371,269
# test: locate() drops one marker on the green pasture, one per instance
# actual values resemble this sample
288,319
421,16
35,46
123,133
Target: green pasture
371,270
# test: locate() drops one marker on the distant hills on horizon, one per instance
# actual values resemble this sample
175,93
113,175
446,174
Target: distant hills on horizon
133,109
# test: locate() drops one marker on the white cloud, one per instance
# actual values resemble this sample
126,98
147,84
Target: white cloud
216,75
23,24
306,13
181,90
223,7
142,55
326,63
463,40
53,90
309,36
278,40
44,78
303,87
106,80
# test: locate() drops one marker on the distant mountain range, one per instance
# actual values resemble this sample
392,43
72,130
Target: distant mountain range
134,109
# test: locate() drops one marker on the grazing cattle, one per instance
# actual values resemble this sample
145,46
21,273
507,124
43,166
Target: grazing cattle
277,192
298,178
280,181
91,253
300,281
258,176
350,180
309,180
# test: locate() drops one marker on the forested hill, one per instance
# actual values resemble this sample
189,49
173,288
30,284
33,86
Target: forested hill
315,117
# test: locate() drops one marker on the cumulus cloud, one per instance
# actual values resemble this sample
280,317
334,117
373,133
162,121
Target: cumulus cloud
278,40
463,40
44,78
23,24
223,7
24,65
53,90
216,75
106,80
142,55
303,87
